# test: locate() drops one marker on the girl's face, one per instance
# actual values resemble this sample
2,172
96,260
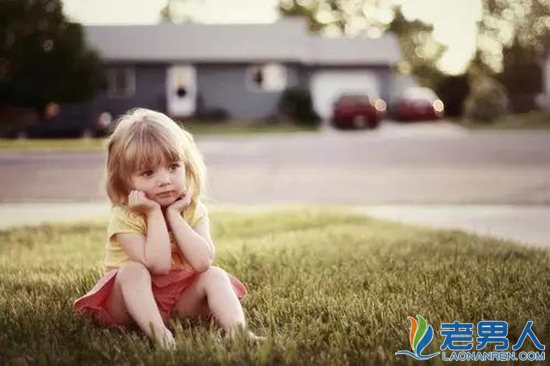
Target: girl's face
163,183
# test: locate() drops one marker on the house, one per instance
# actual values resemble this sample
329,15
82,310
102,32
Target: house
241,69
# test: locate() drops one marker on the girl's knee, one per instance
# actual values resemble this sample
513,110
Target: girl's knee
132,271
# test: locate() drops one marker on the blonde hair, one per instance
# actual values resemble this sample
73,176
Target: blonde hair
143,138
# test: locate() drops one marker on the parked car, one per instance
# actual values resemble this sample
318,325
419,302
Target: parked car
417,104
69,121
357,111
56,121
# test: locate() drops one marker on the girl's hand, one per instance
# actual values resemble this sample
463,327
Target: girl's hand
180,204
138,202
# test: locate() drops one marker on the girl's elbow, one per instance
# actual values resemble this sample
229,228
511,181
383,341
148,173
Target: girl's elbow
203,265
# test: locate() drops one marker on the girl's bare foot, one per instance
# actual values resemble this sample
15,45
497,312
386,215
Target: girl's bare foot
166,341
243,333
255,338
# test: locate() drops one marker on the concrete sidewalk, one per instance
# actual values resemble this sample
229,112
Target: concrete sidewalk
528,225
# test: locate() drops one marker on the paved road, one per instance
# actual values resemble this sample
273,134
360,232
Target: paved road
416,164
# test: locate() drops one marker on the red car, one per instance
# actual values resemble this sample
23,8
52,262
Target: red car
418,104
355,111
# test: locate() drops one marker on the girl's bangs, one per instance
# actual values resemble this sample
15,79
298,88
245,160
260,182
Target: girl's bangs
149,149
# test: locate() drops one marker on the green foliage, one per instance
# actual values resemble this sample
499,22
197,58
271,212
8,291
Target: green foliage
338,15
505,22
296,105
522,76
521,70
487,100
43,56
420,50
325,287
180,11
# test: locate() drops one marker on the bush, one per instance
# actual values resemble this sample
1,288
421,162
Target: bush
214,114
296,105
487,100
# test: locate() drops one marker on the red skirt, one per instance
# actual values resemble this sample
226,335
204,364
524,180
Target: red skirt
167,290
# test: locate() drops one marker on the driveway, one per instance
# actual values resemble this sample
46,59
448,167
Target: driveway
527,225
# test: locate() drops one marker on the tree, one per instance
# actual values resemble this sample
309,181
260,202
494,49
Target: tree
420,50
521,76
180,10
511,42
524,23
43,57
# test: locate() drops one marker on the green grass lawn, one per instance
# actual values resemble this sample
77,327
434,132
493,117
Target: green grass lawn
235,128
536,120
244,128
326,288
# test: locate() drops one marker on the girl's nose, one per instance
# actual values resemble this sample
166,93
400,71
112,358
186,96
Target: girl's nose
163,178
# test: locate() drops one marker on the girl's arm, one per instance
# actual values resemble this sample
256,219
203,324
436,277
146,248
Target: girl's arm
153,250
196,246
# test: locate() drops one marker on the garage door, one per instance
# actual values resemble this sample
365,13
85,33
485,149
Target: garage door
326,86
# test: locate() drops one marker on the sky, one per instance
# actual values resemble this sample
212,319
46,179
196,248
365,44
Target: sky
454,20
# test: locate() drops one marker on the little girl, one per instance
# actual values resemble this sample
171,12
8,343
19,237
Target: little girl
159,252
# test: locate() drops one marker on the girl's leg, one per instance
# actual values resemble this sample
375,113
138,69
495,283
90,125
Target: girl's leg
132,297
193,302
213,293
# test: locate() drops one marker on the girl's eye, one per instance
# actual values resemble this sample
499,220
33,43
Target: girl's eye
174,166
147,173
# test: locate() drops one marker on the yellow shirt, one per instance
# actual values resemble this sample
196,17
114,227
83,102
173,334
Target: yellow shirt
123,220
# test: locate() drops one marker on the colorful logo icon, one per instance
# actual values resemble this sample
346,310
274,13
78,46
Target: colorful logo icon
420,336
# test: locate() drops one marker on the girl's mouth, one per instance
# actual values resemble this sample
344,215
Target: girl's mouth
165,194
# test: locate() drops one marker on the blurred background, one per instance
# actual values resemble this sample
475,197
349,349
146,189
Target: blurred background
67,68
360,102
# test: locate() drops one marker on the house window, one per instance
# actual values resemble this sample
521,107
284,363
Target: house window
267,77
121,82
